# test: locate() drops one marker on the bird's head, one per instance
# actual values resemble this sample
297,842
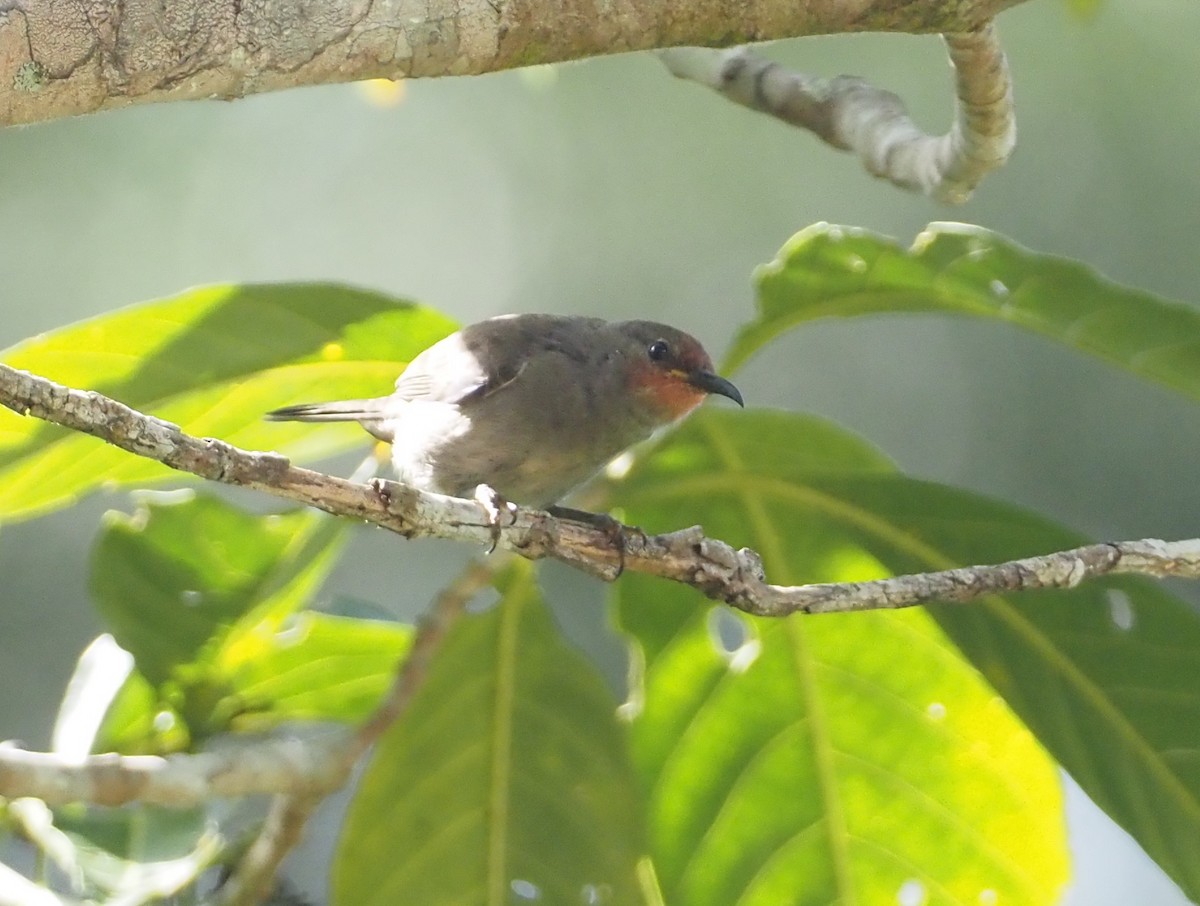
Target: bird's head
669,372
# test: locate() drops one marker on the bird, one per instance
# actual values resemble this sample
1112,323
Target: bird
528,407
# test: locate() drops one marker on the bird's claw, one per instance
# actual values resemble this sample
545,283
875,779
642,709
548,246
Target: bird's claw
380,487
495,508
613,529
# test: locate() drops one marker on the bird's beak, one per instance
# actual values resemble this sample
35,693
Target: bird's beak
714,383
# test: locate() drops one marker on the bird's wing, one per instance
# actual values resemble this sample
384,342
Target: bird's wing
482,359
444,373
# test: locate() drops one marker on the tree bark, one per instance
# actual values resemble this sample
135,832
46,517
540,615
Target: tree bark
61,58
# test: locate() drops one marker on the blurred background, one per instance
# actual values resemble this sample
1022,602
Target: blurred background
608,187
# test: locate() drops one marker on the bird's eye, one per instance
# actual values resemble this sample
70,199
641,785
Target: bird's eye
658,350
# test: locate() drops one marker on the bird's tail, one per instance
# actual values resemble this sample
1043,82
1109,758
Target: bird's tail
368,413
340,411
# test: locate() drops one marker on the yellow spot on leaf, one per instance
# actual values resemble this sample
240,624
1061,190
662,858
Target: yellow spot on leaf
853,564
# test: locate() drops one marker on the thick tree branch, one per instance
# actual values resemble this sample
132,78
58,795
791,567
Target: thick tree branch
59,59
851,115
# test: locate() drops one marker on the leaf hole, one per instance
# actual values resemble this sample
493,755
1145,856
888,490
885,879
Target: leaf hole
988,897
291,631
484,601
595,894
911,893
733,638
936,711
1120,610
163,721
525,890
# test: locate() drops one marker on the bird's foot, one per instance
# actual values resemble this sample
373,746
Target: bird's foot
495,508
380,487
613,529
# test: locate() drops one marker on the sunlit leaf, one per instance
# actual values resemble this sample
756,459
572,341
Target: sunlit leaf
319,667
212,361
850,758
505,781
139,722
178,573
208,599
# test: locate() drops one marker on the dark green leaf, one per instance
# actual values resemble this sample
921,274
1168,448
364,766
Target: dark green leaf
176,575
133,855
831,271
138,722
207,599
507,776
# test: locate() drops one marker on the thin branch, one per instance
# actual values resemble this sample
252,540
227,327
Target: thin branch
313,764
687,556
281,832
299,770
242,767
303,771
852,115
447,610
62,59
289,814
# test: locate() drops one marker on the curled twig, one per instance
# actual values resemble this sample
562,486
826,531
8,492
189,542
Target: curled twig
852,115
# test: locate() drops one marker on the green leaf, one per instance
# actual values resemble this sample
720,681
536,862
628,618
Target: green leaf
179,573
832,271
1084,10
138,722
316,667
207,598
507,776
141,854
855,758
212,361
